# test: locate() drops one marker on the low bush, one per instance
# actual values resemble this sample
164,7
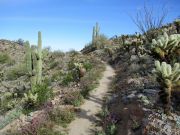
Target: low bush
62,116
16,72
74,98
53,64
7,102
67,78
4,58
44,93
47,129
36,98
88,66
12,115
90,81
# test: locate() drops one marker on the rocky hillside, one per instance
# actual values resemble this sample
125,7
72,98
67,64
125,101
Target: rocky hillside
145,93
66,79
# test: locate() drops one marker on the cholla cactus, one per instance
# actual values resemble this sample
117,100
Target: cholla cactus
30,99
168,78
80,68
165,47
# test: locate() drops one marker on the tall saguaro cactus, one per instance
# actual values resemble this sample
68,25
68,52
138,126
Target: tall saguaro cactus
94,34
39,59
28,57
34,62
96,30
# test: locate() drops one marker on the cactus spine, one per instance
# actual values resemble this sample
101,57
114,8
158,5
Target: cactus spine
39,59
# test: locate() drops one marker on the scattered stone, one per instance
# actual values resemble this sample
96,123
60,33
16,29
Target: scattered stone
131,96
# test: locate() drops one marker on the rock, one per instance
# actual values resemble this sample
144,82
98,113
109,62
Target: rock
140,95
131,96
134,92
134,81
125,100
150,91
144,99
134,58
146,102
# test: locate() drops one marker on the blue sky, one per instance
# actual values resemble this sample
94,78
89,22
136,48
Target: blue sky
67,24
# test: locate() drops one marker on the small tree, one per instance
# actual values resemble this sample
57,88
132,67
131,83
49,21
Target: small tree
147,22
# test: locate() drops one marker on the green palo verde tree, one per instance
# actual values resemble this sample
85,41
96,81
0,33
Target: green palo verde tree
169,80
166,48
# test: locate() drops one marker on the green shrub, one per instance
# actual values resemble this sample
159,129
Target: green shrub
16,72
74,98
62,116
54,64
12,115
43,93
29,101
57,76
87,65
48,131
89,82
7,102
111,130
67,78
58,54
40,95
4,58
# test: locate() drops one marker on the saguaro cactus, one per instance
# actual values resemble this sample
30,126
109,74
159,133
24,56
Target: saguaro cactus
95,35
28,57
39,59
33,78
97,30
168,78
34,62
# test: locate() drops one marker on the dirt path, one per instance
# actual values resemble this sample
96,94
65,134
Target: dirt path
85,122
